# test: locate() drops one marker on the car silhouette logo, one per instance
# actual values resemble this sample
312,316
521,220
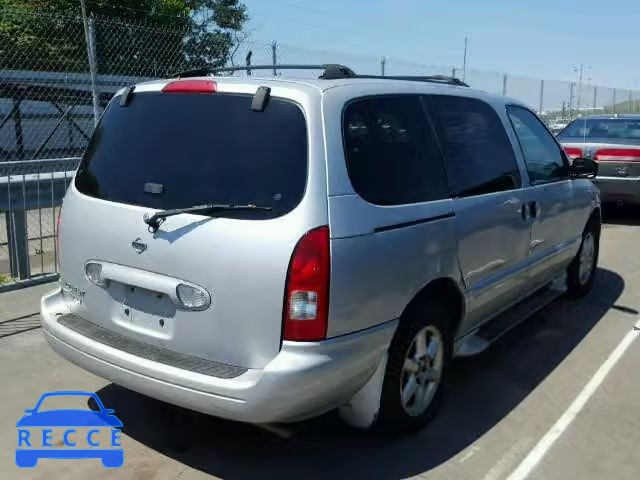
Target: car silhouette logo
30,438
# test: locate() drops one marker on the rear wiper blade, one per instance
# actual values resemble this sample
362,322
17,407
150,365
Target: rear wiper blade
154,221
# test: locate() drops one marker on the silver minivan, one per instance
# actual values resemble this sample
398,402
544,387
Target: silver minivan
269,249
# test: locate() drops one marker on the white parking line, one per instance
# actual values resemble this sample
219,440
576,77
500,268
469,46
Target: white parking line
546,442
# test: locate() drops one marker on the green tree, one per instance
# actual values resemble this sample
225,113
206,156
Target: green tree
132,37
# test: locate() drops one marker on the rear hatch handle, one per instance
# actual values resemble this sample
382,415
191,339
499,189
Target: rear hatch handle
154,221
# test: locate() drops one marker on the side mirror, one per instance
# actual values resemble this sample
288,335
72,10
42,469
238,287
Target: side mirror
583,168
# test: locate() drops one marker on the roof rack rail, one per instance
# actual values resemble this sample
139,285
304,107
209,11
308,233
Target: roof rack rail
444,79
330,71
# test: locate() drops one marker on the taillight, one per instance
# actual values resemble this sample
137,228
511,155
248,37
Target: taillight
57,239
573,152
307,288
618,155
190,86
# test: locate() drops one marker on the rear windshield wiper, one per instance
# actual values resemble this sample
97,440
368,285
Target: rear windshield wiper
154,221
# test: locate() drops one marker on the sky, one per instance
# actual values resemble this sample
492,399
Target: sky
541,39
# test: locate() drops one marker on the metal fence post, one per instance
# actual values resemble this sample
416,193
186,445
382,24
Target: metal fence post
247,62
453,72
18,246
504,85
595,98
17,126
383,64
630,101
274,56
93,65
90,38
541,97
614,107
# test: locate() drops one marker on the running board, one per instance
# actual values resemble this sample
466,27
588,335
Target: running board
478,341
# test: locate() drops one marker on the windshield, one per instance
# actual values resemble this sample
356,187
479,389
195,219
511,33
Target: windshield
176,150
603,128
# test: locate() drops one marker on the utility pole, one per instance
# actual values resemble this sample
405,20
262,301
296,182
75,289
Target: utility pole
571,85
464,60
580,87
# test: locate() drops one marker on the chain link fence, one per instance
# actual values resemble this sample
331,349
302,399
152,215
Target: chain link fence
58,74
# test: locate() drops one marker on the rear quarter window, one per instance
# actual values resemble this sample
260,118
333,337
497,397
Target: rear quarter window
200,148
391,152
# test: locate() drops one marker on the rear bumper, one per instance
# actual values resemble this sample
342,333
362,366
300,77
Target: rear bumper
305,379
618,188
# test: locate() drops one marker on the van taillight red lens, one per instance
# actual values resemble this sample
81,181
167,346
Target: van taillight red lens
190,86
307,288
573,152
618,155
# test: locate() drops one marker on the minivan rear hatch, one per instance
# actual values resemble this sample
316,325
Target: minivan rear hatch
171,150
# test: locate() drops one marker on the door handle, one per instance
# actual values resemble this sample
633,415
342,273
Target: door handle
530,210
534,209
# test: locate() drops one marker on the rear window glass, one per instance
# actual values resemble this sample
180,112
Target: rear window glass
603,128
200,148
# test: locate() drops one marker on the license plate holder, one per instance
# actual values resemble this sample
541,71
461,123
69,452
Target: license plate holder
148,310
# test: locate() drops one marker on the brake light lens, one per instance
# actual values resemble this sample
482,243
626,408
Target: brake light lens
307,288
618,155
573,152
191,86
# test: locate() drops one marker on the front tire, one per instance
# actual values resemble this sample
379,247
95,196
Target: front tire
417,369
582,272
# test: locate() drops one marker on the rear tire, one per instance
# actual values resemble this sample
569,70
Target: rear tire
582,272
417,369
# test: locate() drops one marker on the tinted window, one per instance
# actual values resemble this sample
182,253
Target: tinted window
477,152
202,148
392,155
543,156
603,128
